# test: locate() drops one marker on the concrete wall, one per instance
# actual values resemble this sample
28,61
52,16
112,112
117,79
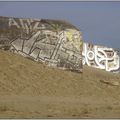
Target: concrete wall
55,43
101,57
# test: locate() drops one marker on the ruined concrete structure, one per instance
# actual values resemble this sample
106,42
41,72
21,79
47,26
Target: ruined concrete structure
53,42
56,43
101,57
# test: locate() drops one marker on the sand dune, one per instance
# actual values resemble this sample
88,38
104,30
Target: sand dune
32,90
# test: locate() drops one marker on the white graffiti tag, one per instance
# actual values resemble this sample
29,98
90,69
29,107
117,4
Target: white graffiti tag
100,57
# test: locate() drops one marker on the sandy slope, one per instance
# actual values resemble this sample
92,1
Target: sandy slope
32,90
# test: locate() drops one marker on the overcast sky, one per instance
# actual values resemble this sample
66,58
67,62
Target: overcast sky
99,21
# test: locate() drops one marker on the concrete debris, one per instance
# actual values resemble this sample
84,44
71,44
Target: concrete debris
109,82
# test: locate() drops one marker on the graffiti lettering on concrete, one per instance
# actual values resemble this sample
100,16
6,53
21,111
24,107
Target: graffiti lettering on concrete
55,43
52,42
25,23
100,57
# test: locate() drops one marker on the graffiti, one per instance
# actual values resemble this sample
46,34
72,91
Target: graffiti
55,43
26,24
100,57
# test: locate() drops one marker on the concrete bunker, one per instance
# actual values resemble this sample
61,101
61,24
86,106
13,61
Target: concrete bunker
54,42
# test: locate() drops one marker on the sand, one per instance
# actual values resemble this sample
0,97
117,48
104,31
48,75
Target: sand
32,90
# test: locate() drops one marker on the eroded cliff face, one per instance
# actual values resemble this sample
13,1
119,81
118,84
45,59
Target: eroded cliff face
53,42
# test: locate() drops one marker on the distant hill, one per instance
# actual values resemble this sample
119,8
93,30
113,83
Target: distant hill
30,89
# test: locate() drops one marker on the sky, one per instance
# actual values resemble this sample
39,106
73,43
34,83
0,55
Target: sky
98,21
